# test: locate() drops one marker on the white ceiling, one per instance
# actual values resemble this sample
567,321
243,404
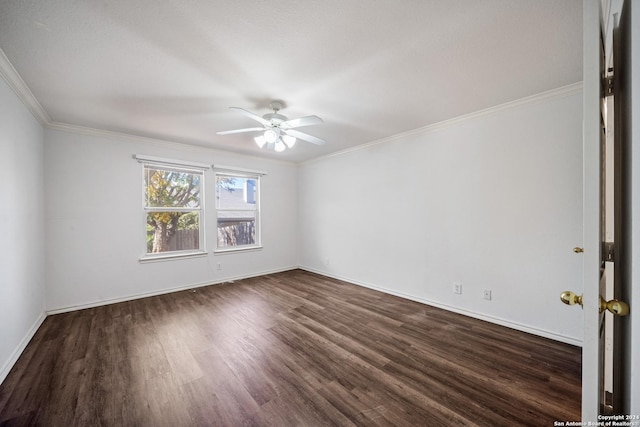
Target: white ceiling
370,68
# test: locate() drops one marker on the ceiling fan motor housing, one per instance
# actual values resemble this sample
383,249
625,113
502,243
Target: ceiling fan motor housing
275,118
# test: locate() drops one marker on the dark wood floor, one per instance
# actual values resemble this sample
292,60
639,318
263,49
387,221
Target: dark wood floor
288,349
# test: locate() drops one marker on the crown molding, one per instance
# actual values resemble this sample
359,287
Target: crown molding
13,79
120,136
572,89
22,91
127,137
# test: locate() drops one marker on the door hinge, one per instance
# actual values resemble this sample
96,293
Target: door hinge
609,251
606,407
607,84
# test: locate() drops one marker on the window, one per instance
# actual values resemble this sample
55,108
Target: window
237,209
173,208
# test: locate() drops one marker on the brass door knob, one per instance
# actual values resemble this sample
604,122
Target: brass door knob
578,250
570,298
617,308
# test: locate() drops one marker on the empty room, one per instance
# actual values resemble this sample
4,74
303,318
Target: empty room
310,213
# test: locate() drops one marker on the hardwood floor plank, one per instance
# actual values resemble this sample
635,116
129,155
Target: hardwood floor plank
178,354
233,402
287,349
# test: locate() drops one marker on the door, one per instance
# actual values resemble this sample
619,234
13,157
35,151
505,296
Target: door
592,350
602,363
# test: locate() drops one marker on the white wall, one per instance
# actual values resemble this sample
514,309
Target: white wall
22,220
94,221
492,200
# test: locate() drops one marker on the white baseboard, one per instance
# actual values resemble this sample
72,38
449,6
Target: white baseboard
163,291
503,322
6,368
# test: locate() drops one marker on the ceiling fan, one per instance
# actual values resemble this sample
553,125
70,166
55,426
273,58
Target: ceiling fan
278,132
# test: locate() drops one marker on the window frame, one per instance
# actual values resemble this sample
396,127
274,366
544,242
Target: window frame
230,171
182,166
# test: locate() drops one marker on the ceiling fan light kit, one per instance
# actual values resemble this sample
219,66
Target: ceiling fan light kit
278,132
279,146
260,140
289,140
271,135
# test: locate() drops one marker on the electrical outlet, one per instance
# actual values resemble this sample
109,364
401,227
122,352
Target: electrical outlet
457,288
487,294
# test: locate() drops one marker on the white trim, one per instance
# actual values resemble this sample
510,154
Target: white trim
232,249
170,209
568,90
11,76
235,170
22,91
237,209
23,344
143,158
121,136
155,142
496,320
165,291
13,79
172,257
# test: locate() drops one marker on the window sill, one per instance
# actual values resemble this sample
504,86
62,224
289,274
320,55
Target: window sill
236,249
172,257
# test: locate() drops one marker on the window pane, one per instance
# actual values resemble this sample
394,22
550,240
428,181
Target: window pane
234,192
171,188
236,228
173,231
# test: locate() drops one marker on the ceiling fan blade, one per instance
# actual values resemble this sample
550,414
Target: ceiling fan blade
252,116
228,132
302,121
304,136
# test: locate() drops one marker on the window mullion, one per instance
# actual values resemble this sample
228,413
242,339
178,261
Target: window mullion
170,209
